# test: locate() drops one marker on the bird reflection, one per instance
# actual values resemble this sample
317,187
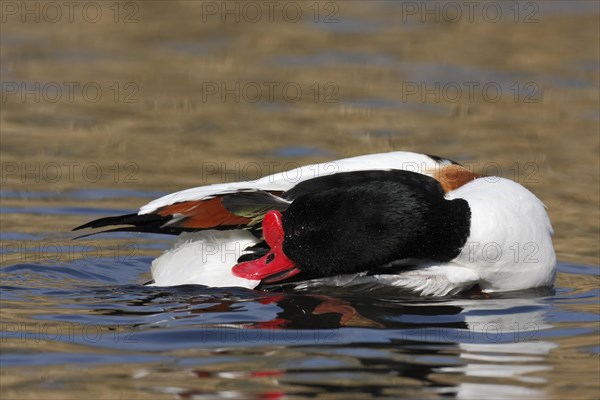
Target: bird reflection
383,344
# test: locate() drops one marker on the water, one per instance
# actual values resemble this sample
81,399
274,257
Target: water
193,339
83,305
76,320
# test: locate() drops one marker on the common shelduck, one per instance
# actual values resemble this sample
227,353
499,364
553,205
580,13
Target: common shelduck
418,222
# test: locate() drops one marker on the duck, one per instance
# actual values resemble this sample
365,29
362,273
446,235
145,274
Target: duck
420,223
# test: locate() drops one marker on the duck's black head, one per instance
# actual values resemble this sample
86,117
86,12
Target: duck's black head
357,221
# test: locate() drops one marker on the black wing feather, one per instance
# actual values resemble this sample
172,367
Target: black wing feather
151,223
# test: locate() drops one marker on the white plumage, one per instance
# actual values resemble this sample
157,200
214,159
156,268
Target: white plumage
204,258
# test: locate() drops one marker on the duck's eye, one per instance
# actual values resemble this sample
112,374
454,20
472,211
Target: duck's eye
299,230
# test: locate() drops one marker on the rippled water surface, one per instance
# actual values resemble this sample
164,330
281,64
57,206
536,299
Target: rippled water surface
76,320
81,325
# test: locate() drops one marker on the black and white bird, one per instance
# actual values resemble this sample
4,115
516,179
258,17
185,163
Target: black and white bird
418,222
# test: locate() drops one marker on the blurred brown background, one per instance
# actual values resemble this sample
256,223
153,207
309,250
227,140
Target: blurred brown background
162,96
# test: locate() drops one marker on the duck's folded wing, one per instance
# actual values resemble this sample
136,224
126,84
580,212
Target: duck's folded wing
235,210
449,173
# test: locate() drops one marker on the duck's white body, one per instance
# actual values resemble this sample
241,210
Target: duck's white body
204,258
509,247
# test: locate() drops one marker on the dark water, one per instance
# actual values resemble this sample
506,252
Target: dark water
81,304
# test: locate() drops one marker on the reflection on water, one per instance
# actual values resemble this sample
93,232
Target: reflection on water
191,340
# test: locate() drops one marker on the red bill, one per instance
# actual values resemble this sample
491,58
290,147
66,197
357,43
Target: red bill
275,265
